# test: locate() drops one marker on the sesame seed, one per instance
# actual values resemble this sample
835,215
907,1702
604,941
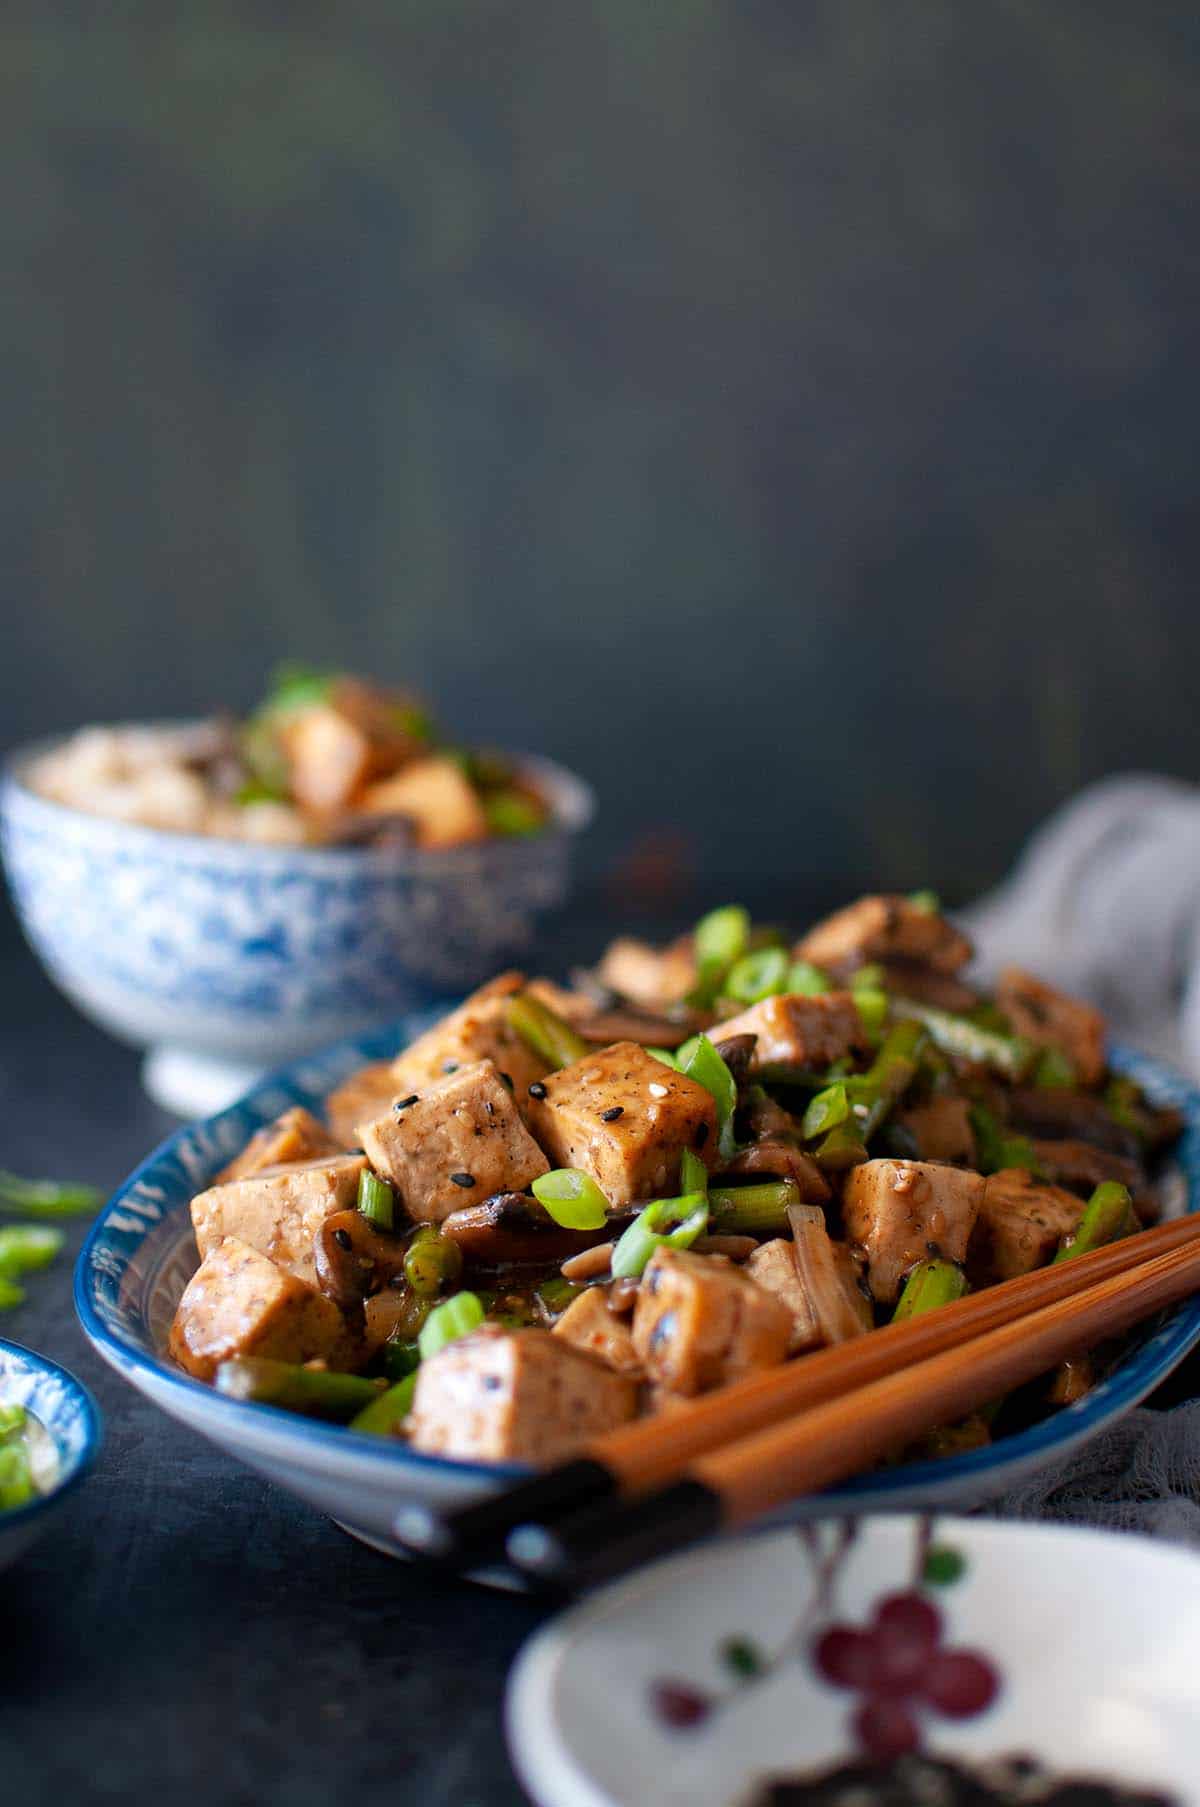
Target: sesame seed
507,1079
463,1179
449,1066
610,1116
402,1104
657,1091
537,1089
489,1107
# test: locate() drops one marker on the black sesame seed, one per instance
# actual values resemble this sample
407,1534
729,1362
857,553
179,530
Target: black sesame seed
402,1104
701,1136
489,1107
507,1079
342,1238
449,1066
537,1089
610,1116
463,1179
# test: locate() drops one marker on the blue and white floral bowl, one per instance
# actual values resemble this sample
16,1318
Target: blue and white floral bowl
67,1411
225,958
141,1253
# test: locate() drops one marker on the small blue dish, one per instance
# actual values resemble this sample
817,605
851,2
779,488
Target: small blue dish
68,1413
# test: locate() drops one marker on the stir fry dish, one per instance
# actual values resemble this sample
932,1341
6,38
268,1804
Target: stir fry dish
326,758
559,1209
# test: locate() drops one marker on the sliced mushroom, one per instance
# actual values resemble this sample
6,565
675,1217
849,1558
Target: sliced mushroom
736,1051
629,1023
513,1228
1054,1111
778,1161
1080,1166
353,1259
913,979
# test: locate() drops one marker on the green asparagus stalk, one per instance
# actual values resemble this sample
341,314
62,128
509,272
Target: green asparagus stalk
431,1261
872,1095
1107,1217
385,1416
751,1210
930,1284
958,1035
315,1391
544,1031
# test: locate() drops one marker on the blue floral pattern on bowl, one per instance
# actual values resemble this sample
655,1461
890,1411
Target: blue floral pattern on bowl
257,953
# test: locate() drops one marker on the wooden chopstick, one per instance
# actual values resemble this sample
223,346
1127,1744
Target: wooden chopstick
644,1455
729,1486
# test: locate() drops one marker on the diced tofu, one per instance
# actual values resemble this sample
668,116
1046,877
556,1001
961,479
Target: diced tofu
477,1030
572,1006
588,1324
700,1322
296,1136
515,1396
941,1129
358,1098
1020,1226
1053,1020
902,1212
773,1267
460,1141
279,1211
239,1303
441,801
884,928
653,1114
650,976
799,1031
329,758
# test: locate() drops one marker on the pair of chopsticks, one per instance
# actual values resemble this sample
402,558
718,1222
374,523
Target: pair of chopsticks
650,1487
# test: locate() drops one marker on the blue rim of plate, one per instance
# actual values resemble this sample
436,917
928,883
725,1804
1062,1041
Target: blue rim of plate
86,1421
172,1172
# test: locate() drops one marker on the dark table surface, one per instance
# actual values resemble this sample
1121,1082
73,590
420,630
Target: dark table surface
189,1630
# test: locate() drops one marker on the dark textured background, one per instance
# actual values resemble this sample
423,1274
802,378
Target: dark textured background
786,413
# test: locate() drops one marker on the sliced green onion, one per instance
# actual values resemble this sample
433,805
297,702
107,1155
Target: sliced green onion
1054,1070
688,1218
666,1056
11,1294
699,1060
693,1174
759,975
296,686
870,977
46,1198
1107,1217
399,1360
16,1477
26,1247
376,1200
573,1199
931,1283
995,1149
458,1316
825,1111
385,1416
431,1261
928,902
555,1294
805,980
12,1420
544,1031
872,1007
513,813
721,936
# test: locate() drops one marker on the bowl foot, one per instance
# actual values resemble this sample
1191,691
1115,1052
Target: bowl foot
194,1085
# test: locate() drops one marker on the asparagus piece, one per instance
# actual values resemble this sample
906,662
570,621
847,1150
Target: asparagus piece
872,1095
315,1391
751,1210
958,1035
1107,1217
931,1283
385,1416
544,1031
996,1149
431,1261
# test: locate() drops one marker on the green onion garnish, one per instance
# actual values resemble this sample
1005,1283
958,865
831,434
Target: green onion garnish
573,1199
699,1060
759,975
376,1200
806,980
458,1316
668,1223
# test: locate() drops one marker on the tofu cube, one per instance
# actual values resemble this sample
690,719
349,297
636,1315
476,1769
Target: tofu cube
588,1324
884,928
799,1031
329,758
363,1095
773,1267
649,976
515,1396
438,797
279,1210
457,1143
295,1136
239,1303
1052,1020
477,1030
1021,1223
700,1322
624,1118
903,1212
